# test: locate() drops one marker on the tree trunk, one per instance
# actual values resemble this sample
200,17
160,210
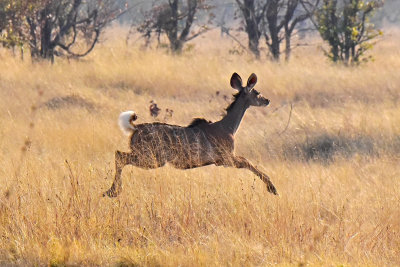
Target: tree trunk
272,18
287,45
353,54
335,52
274,47
176,46
46,49
253,42
46,46
334,40
172,29
32,41
252,30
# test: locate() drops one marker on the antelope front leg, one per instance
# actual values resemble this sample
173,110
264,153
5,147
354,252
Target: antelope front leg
121,159
241,162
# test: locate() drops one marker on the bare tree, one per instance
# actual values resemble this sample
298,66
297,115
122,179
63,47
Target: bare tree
276,20
253,12
294,15
282,17
272,31
175,19
52,27
58,24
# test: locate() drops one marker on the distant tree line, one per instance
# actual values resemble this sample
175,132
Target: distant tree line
51,28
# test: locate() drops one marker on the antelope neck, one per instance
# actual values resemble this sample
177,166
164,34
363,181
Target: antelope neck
231,121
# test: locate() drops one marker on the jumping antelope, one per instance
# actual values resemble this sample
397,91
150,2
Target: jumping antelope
199,144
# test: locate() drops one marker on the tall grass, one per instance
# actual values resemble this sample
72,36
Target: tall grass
339,206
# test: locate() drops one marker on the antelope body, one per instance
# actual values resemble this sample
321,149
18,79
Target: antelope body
199,144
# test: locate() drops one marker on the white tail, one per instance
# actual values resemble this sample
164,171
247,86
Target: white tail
125,121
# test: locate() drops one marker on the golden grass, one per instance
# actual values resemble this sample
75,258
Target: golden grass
344,210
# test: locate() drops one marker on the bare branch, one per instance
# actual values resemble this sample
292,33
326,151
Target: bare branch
95,40
200,32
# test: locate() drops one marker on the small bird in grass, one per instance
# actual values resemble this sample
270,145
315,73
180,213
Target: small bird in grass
168,114
154,109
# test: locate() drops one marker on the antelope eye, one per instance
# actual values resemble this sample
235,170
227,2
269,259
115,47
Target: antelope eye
256,92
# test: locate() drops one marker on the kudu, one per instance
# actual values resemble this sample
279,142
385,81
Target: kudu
199,144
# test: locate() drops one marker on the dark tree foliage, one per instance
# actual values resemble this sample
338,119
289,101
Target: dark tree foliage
12,32
344,25
175,19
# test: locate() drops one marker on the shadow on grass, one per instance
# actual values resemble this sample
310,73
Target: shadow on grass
69,101
325,147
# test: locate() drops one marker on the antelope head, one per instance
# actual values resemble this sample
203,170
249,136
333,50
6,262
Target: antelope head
250,95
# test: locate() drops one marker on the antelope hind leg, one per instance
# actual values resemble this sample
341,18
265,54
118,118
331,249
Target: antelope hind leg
131,158
121,159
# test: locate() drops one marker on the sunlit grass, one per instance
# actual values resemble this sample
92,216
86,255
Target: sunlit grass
340,211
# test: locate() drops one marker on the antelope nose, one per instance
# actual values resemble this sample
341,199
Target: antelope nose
266,102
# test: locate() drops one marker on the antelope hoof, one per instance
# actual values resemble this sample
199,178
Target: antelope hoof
271,188
110,193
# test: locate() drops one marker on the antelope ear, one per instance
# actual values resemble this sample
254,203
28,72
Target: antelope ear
251,82
236,82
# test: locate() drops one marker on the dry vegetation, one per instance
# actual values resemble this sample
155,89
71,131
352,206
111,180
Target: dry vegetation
336,166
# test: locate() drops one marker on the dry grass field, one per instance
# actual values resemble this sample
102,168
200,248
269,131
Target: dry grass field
335,165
